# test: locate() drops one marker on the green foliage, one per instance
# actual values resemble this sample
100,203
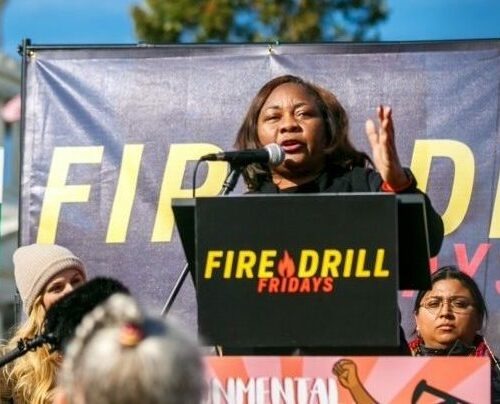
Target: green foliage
167,21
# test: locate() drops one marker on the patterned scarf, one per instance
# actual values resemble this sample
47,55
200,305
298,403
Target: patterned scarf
478,348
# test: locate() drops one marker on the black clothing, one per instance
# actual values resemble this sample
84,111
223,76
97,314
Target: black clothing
359,179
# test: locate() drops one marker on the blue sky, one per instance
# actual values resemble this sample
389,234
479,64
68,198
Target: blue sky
109,21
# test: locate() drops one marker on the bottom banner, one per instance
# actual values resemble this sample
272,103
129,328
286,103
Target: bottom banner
330,380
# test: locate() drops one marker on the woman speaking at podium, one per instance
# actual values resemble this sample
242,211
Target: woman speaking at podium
312,127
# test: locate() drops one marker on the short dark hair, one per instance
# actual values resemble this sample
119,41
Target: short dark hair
452,272
339,149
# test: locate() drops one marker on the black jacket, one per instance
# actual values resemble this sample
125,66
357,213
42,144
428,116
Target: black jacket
359,179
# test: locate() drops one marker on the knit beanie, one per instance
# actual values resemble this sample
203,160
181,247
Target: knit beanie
36,264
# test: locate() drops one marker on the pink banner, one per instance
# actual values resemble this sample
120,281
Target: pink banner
330,380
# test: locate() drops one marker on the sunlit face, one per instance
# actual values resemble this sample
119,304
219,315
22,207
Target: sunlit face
60,285
442,325
291,117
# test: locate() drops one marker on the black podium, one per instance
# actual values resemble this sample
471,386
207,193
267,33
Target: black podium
312,270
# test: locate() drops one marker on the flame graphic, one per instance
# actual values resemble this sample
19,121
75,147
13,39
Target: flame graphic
286,266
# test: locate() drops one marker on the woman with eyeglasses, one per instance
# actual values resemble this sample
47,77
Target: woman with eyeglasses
450,318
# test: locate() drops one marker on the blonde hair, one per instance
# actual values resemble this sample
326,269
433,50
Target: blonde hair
32,377
120,355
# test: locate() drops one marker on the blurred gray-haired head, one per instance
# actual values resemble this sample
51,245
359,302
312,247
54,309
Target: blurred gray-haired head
121,355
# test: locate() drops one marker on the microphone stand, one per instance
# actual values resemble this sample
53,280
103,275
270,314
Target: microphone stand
25,345
231,179
175,290
228,186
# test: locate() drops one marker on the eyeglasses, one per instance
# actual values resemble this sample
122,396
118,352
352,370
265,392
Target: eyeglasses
457,304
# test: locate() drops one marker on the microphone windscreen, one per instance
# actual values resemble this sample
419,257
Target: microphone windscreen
64,316
276,154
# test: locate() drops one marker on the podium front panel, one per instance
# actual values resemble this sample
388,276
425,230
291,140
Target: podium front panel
297,270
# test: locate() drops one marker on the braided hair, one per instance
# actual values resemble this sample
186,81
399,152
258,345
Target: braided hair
120,355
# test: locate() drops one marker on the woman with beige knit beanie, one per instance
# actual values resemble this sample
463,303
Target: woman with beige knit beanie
44,273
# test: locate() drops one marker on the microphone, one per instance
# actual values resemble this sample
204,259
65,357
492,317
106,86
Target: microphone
271,154
25,345
64,316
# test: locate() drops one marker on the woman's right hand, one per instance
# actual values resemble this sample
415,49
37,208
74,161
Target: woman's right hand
384,153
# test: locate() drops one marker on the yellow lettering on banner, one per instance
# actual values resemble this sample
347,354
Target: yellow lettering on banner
266,261
213,262
331,262
461,191
245,264
309,260
57,192
125,193
379,271
361,272
171,186
229,264
349,257
495,216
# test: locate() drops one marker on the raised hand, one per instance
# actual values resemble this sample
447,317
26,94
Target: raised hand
347,373
384,153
